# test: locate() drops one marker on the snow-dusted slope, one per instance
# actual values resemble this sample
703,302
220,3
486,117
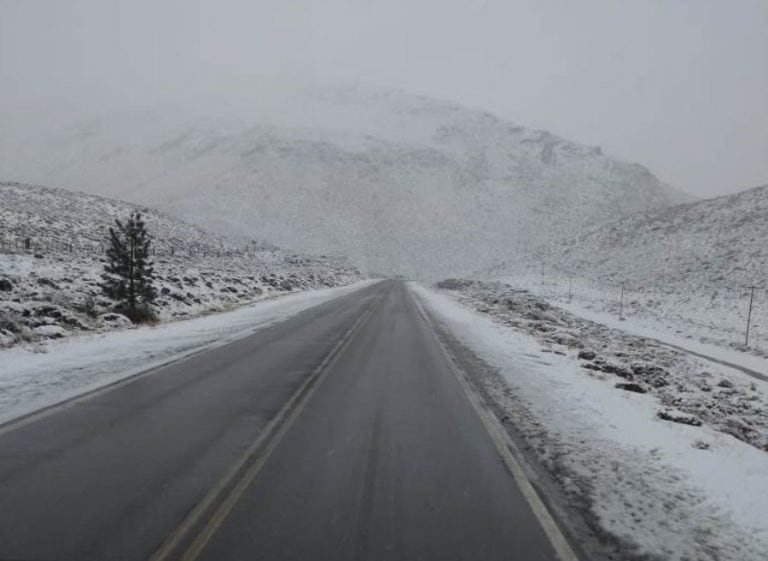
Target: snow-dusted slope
683,271
50,287
49,216
397,182
712,244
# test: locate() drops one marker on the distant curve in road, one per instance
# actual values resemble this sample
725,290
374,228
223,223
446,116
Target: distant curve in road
341,433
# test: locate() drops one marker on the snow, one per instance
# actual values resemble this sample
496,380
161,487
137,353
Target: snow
339,167
685,269
53,289
700,324
654,329
666,489
32,377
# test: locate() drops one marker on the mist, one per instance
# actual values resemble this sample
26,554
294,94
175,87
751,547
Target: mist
679,87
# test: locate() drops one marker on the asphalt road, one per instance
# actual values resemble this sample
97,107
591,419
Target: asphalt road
342,433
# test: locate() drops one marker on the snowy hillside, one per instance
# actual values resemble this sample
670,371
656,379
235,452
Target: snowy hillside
51,289
684,269
399,183
48,215
716,242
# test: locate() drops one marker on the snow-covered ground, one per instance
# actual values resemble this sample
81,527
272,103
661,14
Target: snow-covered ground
686,269
52,295
693,489
709,323
32,377
51,265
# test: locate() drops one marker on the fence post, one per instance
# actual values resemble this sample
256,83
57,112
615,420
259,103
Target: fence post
621,303
749,313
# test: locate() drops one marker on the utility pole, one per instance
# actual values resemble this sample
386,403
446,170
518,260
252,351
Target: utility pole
749,313
621,303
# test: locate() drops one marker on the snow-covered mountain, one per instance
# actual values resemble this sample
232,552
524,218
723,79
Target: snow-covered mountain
398,183
713,243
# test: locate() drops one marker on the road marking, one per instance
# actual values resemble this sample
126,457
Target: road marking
506,447
134,374
252,460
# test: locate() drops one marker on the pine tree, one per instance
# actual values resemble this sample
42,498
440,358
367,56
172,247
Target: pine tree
128,272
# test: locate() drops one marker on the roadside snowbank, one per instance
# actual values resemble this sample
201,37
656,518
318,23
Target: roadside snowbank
667,490
32,377
54,295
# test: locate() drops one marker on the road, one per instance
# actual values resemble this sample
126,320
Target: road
342,433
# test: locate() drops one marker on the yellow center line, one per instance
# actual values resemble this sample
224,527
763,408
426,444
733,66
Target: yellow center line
256,454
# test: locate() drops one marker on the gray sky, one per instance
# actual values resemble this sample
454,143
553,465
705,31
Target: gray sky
678,85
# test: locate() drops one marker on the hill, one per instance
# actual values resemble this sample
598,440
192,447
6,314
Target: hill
717,242
49,287
399,183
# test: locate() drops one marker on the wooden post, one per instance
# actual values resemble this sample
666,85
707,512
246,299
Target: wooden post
621,303
749,313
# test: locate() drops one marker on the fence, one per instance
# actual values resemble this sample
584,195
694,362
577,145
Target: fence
732,314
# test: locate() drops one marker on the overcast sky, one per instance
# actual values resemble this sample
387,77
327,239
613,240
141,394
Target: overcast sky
678,85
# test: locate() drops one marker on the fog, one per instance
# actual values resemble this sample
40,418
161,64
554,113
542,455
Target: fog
681,87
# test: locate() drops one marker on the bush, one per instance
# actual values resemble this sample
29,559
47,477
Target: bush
453,284
143,313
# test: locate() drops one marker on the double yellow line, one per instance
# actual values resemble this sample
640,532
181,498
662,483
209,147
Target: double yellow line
223,496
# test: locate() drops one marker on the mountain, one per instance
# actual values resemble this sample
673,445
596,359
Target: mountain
399,183
719,242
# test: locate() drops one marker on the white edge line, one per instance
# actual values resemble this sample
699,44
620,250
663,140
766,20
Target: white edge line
507,449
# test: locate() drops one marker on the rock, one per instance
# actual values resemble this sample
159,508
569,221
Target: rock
6,285
739,428
586,354
679,417
567,339
618,369
632,387
50,331
113,320
725,383
650,373
47,282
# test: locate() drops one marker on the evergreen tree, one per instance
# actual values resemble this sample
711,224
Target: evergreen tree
128,271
